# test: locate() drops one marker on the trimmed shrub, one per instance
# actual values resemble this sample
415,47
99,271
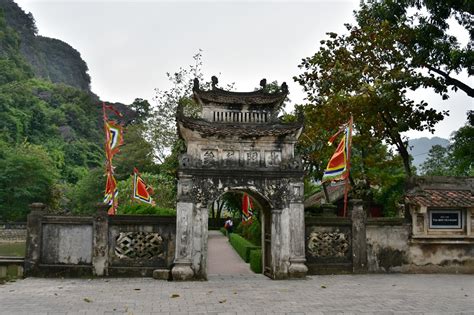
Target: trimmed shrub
256,260
223,231
145,209
242,246
251,232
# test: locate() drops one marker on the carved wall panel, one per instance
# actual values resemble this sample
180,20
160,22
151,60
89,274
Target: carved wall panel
209,157
252,158
328,244
272,158
140,245
230,158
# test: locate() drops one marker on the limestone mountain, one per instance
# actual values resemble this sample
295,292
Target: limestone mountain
49,58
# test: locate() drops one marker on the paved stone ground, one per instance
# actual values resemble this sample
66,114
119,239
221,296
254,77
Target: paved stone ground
253,294
222,259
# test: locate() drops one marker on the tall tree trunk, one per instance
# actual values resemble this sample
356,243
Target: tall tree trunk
398,142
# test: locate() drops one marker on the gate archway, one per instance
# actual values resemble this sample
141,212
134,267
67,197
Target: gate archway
262,214
239,144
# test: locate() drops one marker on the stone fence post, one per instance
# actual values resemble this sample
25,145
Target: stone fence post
359,237
33,237
100,252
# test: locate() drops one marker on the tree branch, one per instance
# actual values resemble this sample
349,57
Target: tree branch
452,81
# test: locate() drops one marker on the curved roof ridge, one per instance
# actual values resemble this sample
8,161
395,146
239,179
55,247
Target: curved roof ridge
215,128
258,97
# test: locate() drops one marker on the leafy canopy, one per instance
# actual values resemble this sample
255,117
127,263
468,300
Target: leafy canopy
367,73
458,158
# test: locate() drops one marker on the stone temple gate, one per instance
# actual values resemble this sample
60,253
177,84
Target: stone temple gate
239,144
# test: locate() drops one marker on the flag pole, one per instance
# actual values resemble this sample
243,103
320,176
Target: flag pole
108,160
349,145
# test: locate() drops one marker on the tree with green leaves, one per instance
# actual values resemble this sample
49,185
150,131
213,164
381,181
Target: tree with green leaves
162,125
163,195
27,175
422,30
462,149
458,158
367,73
438,162
84,195
135,152
142,110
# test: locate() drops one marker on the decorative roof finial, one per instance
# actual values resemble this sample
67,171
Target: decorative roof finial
284,87
263,83
196,84
214,81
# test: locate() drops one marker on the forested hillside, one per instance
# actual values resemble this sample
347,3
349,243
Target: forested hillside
51,131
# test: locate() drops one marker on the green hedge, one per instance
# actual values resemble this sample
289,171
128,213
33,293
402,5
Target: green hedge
251,232
242,246
256,260
223,231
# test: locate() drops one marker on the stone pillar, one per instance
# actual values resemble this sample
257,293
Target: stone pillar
280,243
33,238
184,242
199,241
100,252
297,267
359,237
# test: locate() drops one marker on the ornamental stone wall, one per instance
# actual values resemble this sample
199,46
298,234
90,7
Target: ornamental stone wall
99,245
381,245
12,232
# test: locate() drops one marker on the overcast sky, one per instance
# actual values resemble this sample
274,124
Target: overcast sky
130,45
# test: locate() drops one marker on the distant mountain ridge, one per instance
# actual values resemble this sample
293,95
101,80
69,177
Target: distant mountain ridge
49,58
420,147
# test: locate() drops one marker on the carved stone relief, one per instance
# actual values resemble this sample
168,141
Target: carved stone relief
328,244
140,245
297,192
252,158
207,189
209,157
272,158
230,158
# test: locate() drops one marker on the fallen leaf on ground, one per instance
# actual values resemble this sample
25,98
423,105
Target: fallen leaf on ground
87,300
223,301
137,289
323,286
174,295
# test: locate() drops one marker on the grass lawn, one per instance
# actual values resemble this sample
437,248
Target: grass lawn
12,249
